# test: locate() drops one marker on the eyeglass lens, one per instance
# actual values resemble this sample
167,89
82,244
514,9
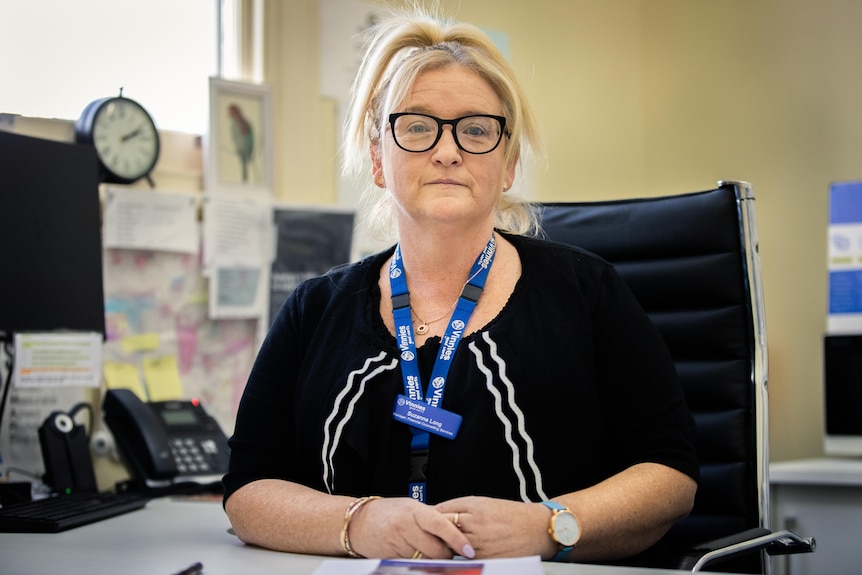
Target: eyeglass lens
420,132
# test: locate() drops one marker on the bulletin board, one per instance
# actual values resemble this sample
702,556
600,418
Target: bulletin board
156,320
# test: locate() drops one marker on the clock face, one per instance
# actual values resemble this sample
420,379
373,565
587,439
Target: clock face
566,528
125,138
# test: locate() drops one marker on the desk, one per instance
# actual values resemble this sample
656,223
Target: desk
820,498
169,535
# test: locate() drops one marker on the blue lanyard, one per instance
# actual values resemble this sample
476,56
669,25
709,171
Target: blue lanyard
401,313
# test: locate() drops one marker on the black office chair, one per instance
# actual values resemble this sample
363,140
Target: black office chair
692,262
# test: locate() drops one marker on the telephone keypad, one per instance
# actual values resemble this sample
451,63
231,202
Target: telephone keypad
191,456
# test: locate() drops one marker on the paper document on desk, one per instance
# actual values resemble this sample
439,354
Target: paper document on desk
514,566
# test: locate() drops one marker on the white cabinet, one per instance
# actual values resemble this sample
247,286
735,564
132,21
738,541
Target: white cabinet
820,498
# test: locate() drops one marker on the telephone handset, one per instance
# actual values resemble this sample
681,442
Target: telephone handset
166,442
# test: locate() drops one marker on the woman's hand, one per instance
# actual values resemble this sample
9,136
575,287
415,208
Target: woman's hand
502,528
402,527
290,517
618,517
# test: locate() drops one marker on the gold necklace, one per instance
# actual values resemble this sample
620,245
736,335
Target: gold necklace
422,328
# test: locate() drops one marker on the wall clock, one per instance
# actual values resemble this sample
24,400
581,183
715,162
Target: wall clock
124,136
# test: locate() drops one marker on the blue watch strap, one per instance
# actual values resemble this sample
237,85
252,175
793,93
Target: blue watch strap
555,507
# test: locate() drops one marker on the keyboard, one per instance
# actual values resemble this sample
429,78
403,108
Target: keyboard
62,512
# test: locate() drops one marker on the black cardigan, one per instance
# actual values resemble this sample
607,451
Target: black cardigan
567,386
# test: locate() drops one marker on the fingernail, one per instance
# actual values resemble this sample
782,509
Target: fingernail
468,551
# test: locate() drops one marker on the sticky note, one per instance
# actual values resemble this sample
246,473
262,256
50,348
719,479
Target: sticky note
140,342
162,378
123,376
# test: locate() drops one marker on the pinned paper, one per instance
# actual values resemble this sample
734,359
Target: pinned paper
58,359
124,376
150,220
140,342
162,378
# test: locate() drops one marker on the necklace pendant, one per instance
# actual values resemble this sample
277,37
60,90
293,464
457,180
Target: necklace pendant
422,328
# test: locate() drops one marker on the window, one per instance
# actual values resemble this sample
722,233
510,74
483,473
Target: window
60,55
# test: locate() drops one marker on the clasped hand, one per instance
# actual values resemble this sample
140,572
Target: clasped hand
473,527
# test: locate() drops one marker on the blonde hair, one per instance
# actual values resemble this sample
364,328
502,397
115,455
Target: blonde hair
399,48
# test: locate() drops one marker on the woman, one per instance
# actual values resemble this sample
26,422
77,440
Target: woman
552,425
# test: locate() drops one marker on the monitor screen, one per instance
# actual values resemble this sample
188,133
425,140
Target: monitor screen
50,236
842,384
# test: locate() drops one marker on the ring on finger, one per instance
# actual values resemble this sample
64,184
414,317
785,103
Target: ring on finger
417,555
456,521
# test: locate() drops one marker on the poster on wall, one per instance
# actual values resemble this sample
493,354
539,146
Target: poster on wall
309,242
845,258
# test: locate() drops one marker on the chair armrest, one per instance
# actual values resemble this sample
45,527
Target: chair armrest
778,543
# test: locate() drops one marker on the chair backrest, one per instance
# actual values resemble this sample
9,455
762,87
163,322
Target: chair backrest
692,262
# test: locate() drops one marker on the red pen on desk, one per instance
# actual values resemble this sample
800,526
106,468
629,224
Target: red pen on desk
193,569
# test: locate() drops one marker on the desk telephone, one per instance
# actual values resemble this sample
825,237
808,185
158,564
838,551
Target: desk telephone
166,442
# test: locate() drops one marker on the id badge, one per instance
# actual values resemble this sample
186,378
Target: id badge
427,417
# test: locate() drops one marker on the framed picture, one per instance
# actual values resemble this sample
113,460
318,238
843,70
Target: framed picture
239,155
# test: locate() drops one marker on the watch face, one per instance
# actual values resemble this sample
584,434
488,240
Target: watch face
566,528
125,138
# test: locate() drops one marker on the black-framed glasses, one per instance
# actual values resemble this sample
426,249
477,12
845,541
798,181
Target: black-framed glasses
476,134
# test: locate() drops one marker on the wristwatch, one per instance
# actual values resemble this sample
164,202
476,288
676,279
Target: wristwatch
564,528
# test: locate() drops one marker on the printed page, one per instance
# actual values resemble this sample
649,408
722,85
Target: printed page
514,566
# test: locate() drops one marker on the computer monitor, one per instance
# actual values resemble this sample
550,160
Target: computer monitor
842,384
50,237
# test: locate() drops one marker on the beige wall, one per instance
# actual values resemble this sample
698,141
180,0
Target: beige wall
766,91
646,97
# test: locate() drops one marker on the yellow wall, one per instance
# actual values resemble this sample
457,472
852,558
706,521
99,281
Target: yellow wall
646,97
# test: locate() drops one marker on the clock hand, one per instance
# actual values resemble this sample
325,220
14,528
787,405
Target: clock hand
134,133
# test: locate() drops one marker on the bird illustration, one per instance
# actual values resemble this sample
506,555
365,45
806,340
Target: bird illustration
243,138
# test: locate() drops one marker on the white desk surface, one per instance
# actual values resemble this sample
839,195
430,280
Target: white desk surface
817,471
168,536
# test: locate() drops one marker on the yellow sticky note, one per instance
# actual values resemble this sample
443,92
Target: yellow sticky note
140,342
162,378
202,297
123,376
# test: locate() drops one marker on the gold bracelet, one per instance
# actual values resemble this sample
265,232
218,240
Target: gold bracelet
351,511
